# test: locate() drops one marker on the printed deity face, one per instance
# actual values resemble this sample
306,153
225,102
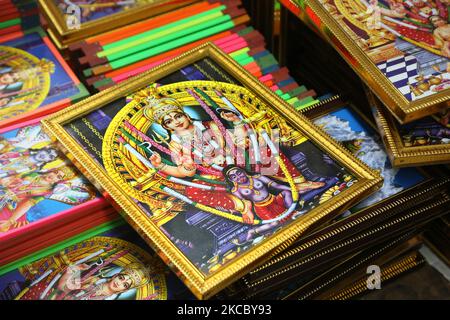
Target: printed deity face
54,176
237,175
176,121
46,155
437,21
120,283
9,78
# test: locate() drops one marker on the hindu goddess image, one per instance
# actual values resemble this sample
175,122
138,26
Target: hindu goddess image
21,192
99,287
99,268
225,163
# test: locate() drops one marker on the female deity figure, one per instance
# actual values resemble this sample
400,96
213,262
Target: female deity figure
10,80
269,199
212,151
16,162
185,135
99,268
29,150
21,192
99,287
441,34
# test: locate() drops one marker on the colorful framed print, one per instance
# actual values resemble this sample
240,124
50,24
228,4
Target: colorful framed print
114,264
359,135
400,49
213,169
38,186
75,20
421,142
34,78
388,210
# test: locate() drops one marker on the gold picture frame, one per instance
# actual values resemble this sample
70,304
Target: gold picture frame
326,16
401,155
62,35
205,285
373,214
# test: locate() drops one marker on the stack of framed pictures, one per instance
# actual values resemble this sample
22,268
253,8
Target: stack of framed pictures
233,179
405,138
44,199
398,49
114,57
387,214
34,78
249,190
110,262
109,58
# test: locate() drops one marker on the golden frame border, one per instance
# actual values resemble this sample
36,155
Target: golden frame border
403,109
64,36
203,286
399,155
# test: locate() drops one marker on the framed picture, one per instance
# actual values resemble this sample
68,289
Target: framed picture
359,135
389,210
41,192
214,170
111,263
75,20
34,78
400,49
421,142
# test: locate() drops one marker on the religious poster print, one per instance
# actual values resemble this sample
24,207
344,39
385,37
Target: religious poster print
33,75
409,41
36,181
198,157
208,166
114,265
348,127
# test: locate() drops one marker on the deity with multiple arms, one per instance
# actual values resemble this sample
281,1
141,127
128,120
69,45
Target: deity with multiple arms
197,161
32,171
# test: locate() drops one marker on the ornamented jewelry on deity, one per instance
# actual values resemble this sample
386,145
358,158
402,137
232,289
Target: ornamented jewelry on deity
199,96
165,150
213,116
250,131
170,178
167,162
251,186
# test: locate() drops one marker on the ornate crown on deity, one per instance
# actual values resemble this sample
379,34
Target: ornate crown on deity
138,274
157,107
43,66
68,172
46,66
